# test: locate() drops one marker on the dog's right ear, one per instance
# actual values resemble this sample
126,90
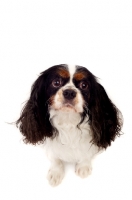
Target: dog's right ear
34,121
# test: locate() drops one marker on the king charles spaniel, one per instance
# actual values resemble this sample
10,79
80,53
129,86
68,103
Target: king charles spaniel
70,111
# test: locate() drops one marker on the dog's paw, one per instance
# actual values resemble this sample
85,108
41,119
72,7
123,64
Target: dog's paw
55,177
83,171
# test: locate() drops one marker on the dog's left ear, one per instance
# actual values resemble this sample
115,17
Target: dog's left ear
104,117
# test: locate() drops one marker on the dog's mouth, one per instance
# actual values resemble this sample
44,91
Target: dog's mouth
68,105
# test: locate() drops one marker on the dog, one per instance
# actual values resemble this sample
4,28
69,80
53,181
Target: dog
69,111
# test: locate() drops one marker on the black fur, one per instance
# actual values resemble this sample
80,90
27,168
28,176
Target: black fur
34,121
104,117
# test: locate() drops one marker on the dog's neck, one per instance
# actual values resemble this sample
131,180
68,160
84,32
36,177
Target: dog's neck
67,124
61,119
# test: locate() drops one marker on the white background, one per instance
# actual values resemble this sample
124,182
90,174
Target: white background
36,34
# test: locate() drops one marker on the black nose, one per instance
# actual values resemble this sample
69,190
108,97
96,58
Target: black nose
69,94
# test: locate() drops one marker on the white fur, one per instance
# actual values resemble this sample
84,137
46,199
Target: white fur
72,69
56,173
73,143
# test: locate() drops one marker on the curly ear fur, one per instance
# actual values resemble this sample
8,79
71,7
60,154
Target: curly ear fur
34,121
105,119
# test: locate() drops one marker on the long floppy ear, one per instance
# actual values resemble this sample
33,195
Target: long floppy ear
105,118
34,121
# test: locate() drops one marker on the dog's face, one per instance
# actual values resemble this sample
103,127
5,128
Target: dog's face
69,86
69,89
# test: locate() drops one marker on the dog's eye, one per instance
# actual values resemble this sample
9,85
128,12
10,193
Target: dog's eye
57,82
83,85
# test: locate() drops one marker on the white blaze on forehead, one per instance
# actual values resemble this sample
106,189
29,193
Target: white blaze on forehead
72,70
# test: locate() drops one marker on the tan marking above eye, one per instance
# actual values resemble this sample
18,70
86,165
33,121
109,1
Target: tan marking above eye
79,76
63,73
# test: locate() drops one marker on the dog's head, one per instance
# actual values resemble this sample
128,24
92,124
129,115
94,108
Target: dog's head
69,89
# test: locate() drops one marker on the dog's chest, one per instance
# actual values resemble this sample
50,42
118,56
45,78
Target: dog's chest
73,143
